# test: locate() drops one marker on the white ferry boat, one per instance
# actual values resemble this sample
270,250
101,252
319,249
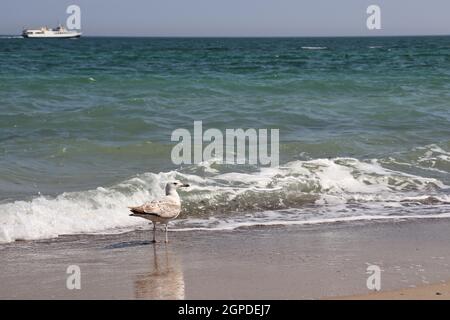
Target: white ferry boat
44,32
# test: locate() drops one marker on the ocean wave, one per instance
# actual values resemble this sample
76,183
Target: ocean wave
431,158
298,192
11,37
270,219
314,48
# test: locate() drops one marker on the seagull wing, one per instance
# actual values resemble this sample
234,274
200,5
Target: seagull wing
161,208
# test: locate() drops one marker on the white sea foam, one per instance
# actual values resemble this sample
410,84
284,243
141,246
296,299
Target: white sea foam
233,224
299,192
434,153
78,212
430,158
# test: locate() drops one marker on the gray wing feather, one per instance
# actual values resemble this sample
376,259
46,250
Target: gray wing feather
162,208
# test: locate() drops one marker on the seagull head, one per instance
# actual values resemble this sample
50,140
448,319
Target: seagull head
174,185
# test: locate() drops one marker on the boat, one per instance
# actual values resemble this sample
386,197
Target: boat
44,32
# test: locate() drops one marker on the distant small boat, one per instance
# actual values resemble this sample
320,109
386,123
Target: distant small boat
44,32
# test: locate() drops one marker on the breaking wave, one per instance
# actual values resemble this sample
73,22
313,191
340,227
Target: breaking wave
220,198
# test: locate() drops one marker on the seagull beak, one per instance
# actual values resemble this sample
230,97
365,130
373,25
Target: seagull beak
186,185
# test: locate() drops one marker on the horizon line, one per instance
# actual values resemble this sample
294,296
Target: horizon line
255,36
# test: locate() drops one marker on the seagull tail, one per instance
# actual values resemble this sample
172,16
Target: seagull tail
134,210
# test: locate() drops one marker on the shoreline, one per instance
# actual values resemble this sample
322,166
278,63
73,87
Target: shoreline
277,262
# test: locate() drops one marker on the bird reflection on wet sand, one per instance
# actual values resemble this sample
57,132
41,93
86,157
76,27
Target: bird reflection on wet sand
165,277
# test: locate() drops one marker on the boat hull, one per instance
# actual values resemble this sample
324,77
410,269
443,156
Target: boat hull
52,36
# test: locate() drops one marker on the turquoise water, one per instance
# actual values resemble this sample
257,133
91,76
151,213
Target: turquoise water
80,114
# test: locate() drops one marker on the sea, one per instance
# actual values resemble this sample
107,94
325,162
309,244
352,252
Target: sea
86,124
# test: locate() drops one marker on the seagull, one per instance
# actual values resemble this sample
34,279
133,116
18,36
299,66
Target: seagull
162,210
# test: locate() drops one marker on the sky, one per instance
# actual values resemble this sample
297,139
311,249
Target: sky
229,18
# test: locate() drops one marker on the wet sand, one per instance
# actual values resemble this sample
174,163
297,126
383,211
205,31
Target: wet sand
430,292
289,262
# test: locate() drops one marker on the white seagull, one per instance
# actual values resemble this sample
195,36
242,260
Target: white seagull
162,210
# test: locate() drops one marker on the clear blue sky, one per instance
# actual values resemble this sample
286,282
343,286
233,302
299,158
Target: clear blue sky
231,17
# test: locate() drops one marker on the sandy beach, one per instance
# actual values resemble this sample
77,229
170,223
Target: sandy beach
295,262
430,292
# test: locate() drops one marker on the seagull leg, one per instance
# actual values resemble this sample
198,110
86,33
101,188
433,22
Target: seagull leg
154,232
167,239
